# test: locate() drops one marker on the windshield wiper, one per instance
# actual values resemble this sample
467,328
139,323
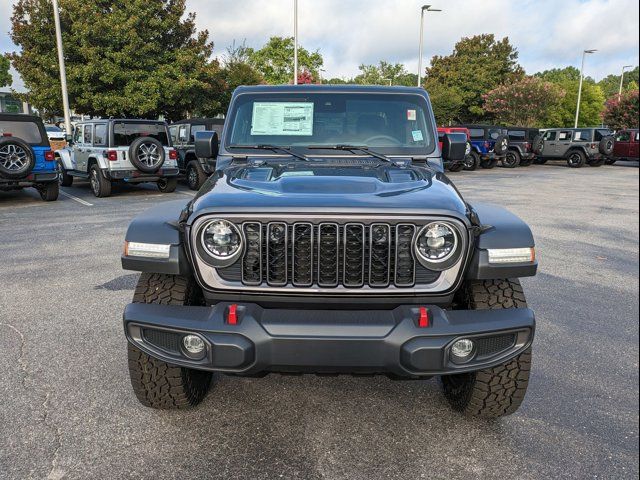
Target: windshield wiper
274,148
351,148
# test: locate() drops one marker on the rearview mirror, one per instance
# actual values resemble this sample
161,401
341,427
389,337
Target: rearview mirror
207,146
454,146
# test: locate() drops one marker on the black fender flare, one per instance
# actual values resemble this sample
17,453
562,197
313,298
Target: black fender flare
574,148
159,225
499,229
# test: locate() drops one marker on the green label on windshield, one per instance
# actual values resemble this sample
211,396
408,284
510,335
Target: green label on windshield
282,118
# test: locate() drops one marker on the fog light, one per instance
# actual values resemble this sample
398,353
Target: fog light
462,350
193,344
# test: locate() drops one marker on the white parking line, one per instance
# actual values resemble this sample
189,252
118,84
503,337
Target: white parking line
79,200
191,194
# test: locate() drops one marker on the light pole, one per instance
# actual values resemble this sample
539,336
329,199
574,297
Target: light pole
295,42
425,8
621,80
63,75
584,54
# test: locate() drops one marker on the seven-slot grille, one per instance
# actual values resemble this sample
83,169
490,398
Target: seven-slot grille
328,254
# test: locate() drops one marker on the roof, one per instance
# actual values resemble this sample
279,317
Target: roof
17,117
479,125
329,88
215,121
146,120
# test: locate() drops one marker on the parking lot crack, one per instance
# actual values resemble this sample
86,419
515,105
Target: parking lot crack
21,362
55,472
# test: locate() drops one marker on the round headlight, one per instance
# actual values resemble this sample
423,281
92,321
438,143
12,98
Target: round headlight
222,240
437,244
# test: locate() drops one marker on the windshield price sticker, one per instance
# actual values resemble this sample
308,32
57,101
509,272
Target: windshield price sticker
411,115
282,118
417,135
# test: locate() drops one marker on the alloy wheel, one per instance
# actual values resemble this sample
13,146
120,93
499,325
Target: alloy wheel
148,154
14,158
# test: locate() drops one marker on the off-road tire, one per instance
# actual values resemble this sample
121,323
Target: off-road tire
500,390
606,145
134,150
501,146
512,159
526,162
456,167
158,384
15,143
167,185
471,162
537,146
576,159
64,179
195,175
49,191
100,186
488,164
596,163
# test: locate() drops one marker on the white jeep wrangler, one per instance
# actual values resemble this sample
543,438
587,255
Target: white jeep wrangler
119,150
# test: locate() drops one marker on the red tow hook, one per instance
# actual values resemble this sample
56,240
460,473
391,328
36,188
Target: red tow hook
232,314
423,318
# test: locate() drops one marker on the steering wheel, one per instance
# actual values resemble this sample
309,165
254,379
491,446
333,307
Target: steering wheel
393,140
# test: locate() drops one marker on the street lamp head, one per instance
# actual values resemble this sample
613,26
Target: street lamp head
627,66
426,7
591,51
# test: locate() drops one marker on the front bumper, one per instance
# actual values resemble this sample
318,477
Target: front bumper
30,180
329,341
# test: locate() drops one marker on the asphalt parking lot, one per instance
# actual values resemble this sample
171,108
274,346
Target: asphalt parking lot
67,409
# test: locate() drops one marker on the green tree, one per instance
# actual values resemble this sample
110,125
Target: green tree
236,71
611,83
591,103
447,103
274,61
527,102
477,65
623,112
5,76
385,73
140,58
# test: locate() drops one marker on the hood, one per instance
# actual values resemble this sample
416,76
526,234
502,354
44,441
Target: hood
328,185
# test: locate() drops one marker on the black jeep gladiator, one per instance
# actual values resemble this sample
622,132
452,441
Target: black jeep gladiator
329,240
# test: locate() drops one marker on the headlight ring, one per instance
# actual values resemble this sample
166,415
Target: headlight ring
221,241
438,246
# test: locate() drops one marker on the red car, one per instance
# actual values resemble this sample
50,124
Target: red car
626,146
456,166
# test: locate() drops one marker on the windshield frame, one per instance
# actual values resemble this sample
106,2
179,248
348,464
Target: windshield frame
394,151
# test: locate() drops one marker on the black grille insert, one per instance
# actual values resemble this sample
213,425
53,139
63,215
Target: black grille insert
167,341
487,346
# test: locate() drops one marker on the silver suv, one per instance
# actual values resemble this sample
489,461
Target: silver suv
119,150
578,146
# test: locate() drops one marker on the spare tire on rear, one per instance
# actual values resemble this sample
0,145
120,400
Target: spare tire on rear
146,154
538,145
16,157
501,146
606,145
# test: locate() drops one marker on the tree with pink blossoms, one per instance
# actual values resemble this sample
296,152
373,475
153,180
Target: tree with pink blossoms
622,112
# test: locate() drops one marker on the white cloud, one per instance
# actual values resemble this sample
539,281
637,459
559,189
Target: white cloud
547,33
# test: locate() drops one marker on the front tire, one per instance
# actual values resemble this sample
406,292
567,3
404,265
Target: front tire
500,390
158,384
488,164
65,179
456,167
576,159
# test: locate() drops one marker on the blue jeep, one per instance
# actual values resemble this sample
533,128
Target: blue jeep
26,159
489,145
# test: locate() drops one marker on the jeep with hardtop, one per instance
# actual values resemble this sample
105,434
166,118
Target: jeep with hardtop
195,170
520,149
468,160
488,145
578,146
26,158
133,151
626,146
328,240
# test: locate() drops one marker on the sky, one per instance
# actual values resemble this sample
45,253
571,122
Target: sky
547,33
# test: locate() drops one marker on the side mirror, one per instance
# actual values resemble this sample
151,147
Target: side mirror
207,145
454,147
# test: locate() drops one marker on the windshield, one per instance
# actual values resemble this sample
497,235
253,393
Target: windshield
52,128
394,124
125,133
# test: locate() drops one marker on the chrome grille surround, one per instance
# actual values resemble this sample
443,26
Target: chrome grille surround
347,276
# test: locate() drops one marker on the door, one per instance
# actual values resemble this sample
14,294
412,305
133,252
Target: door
82,153
634,151
622,147
550,143
563,143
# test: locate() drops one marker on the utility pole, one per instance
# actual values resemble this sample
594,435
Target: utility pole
425,8
63,75
584,54
295,42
